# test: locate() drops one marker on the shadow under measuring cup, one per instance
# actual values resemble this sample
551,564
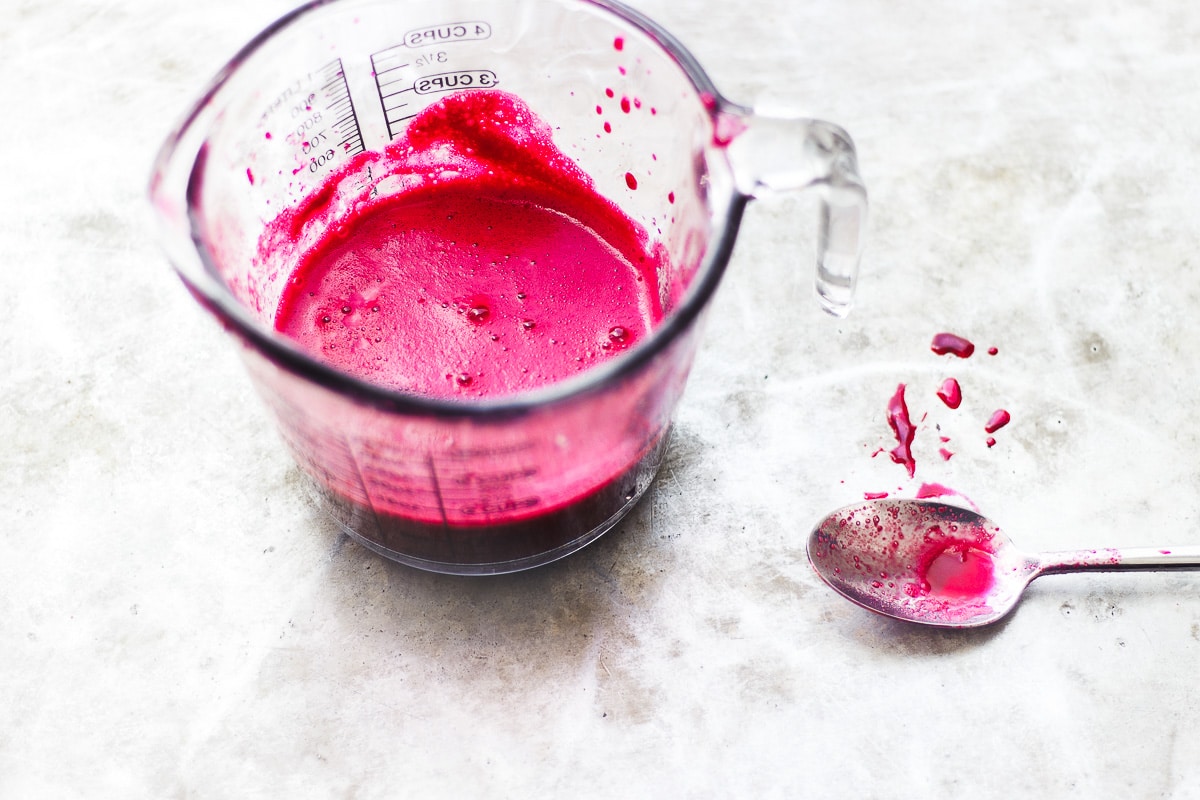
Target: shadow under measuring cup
367,141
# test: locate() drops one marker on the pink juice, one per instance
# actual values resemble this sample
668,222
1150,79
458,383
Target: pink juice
461,291
491,268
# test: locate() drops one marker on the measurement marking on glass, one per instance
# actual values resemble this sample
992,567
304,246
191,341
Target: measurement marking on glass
391,63
387,85
396,87
337,97
380,72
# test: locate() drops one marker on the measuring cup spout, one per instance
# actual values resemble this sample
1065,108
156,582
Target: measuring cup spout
777,154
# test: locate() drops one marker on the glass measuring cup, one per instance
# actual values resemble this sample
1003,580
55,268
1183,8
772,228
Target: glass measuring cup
494,484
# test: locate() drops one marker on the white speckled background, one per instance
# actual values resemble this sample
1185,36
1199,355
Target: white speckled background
176,620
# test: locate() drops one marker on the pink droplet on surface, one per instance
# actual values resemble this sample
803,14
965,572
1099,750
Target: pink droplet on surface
630,181
927,490
953,344
950,393
998,420
901,425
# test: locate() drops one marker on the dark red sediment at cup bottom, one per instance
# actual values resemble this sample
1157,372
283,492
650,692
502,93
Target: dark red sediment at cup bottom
499,546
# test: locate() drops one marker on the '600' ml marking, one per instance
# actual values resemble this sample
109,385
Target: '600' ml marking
465,79
452,32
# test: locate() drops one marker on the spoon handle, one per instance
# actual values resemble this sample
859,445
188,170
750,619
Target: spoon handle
1113,559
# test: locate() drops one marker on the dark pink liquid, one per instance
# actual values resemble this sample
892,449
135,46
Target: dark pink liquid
903,428
506,533
950,393
495,270
953,344
998,420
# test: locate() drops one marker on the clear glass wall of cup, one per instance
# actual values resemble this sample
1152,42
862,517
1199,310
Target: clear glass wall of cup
510,483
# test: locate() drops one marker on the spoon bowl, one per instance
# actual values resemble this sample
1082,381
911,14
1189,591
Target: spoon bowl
938,564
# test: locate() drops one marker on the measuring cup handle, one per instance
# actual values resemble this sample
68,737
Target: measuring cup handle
772,154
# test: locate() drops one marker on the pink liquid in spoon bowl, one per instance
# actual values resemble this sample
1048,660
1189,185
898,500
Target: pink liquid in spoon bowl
917,559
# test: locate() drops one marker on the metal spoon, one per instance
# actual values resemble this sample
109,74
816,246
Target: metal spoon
938,564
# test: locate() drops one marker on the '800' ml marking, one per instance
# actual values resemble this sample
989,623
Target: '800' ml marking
464,79
452,32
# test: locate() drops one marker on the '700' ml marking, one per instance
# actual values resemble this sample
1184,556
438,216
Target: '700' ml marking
464,79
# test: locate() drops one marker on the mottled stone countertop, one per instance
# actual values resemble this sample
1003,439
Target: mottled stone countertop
178,620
